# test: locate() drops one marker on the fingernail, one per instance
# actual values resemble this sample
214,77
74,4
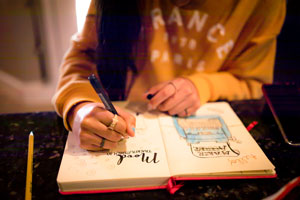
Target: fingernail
150,107
150,96
125,136
133,129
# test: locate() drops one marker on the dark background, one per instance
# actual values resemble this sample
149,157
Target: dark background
288,46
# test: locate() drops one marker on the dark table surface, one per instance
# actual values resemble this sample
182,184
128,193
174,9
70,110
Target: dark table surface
50,137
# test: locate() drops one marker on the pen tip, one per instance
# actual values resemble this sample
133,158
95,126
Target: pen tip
31,133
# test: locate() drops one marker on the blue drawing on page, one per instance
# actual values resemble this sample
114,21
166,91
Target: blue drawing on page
208,136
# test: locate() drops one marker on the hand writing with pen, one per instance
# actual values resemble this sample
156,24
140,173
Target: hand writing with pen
98,128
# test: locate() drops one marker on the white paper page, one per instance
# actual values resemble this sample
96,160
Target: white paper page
191,151
142,156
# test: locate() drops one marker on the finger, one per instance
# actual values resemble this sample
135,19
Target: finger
106,117
179,108
171,102
90,141
100,129
163,94
188,112
130,121
153,90
120,126
190,102
92,147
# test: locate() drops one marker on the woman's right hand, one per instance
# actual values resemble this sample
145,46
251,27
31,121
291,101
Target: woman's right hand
91,121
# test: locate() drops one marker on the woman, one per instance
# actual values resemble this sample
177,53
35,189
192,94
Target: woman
175,54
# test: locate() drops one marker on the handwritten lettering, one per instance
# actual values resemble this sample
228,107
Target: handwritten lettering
243,160
213,151
146,157
218,148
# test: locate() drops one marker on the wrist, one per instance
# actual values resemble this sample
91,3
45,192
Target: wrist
72,112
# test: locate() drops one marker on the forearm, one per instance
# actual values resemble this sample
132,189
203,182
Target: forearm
241,77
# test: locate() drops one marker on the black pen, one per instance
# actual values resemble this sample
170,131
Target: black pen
102,94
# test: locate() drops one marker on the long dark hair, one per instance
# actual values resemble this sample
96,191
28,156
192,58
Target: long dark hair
118,28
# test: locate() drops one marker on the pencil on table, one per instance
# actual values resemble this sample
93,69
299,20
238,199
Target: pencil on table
28,190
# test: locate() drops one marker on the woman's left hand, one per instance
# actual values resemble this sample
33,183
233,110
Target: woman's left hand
177,97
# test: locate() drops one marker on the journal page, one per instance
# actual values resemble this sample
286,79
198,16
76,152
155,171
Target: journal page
138,161
212,141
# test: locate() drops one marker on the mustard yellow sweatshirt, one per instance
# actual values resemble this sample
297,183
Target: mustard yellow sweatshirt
225,47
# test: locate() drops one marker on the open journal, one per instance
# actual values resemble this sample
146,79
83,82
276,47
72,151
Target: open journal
213,144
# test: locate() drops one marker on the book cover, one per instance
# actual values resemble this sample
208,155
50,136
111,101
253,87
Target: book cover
212,144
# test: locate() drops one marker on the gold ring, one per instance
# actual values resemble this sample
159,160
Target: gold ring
102,143
171,83
113,123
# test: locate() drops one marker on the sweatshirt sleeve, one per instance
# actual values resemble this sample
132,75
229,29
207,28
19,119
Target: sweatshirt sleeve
250,63
78,63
